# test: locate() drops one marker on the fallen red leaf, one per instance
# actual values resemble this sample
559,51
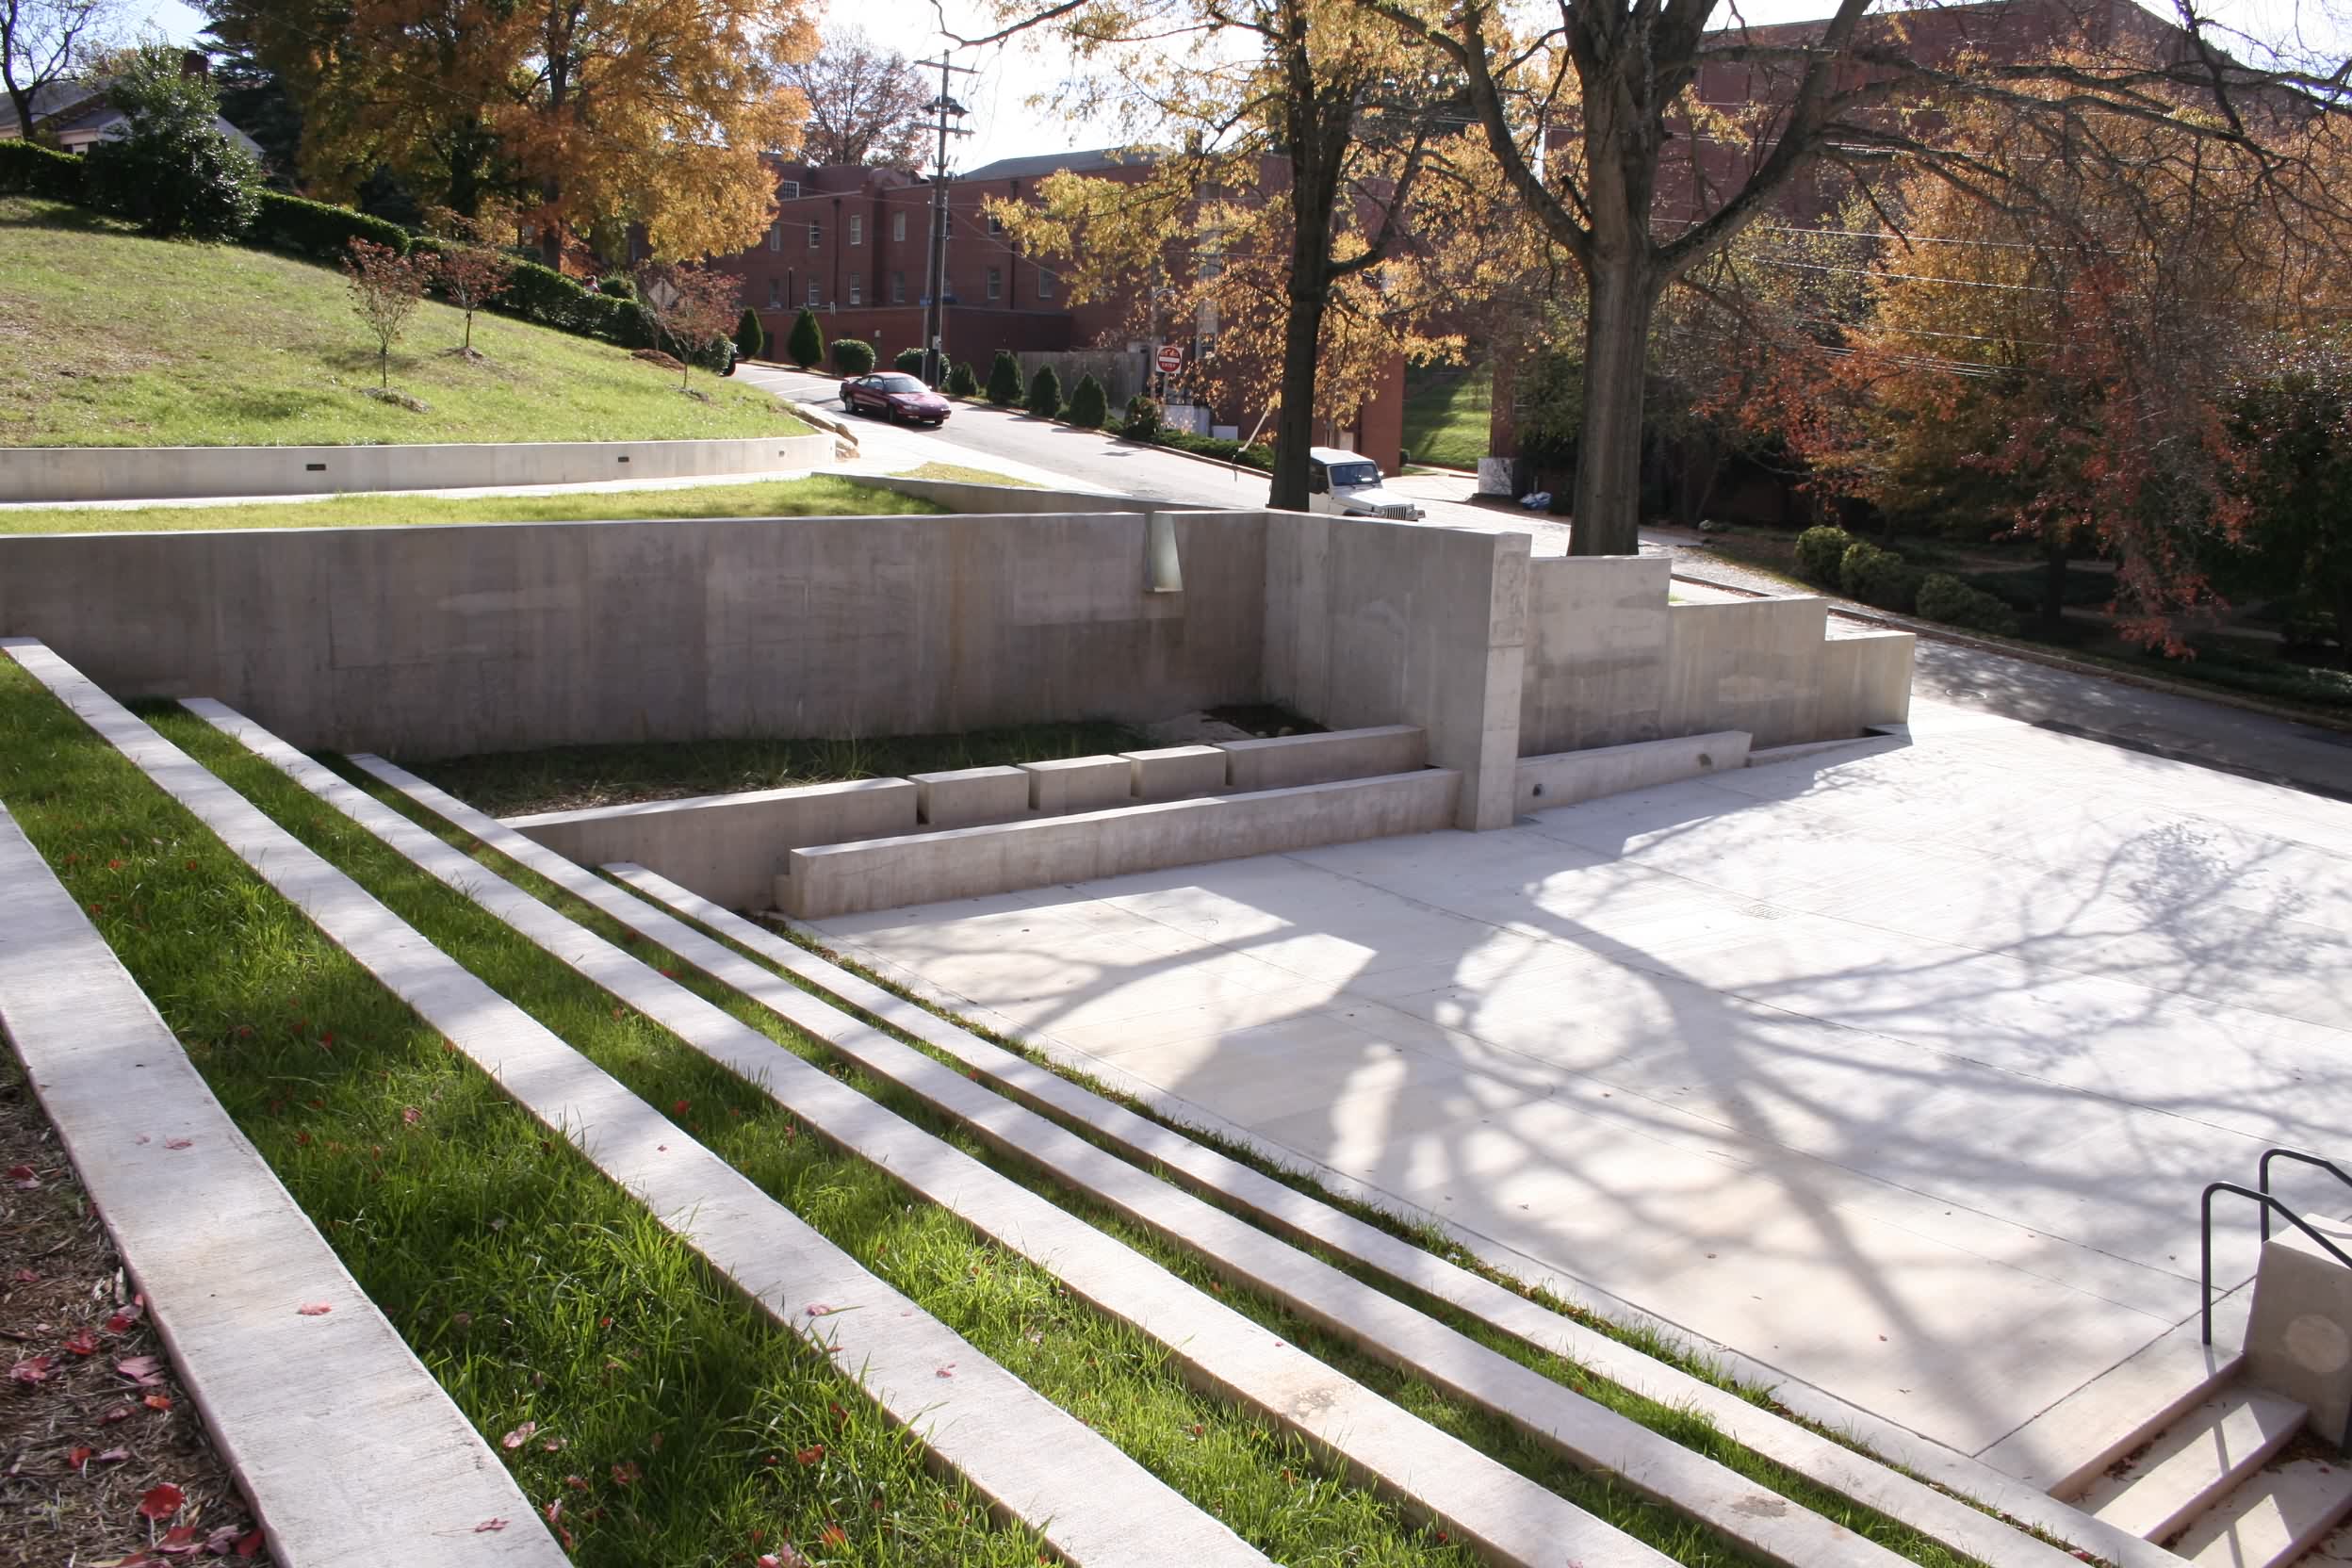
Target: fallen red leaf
178,1143
160,1503
84,1342
832,1535
946,1371
625,1472
124,1318
520,1435
221,1542
250,1543
120,1412
179,1541
488,1525
30,1370
26,1277
158,1401
114,1455
578,1483
24,1177
145,1371
411,1115
810,1454
78,1456
316,1308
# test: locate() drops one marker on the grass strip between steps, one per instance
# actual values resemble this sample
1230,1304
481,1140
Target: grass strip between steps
666,1418
1489,1433
1275,1489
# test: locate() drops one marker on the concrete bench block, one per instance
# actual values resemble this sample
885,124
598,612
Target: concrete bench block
1174,773
726,847
1566,777
1286,761
965,797
2298,1341
1076,784
969,862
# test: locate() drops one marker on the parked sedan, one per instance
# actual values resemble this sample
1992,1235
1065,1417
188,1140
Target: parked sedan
896,395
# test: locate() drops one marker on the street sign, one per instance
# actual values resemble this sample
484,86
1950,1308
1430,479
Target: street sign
1171,358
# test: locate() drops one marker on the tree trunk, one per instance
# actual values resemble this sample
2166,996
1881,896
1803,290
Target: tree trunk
1608,520
2054,585
1294,422
2342,601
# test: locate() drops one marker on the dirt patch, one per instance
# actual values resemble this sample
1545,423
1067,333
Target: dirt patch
92,1419
655,356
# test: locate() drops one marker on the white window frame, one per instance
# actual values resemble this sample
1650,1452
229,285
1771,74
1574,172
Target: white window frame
776,235
898,225
787,191
1045,284
813,300
996,283
856,288
856,229
898,288
816,233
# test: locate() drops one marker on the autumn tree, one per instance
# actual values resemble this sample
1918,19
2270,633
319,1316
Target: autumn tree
46,42
654,113
1646,178
2294,418
386,289
473,270
1310,128
865,104
691,307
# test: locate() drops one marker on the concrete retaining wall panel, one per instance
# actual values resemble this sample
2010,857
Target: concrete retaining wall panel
728,848
1866,680
432,642
1284,762
1068,784
965,797
1565,779
1754,665
1178,772
840,879
1595,652
168,473
965,496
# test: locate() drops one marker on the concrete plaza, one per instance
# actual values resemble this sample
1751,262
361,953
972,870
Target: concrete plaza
1898,1068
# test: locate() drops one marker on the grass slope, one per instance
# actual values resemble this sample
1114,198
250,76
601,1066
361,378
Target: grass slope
111,339
1445,415
819,496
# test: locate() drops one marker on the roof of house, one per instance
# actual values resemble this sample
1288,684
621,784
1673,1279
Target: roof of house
50,98
1038,164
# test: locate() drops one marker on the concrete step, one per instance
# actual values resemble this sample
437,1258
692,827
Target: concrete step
2275,1517
2194,1461
2069,1445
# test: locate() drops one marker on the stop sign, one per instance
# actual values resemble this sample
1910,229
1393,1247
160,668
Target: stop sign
1171,358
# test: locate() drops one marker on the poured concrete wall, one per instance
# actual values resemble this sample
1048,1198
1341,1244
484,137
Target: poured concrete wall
429,642
1371,623
1569,777
969,862
1596,652
164,473
728,848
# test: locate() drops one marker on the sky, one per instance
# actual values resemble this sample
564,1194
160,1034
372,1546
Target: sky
1006,125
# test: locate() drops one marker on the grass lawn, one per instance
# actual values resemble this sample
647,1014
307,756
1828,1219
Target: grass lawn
562,778
1445,415
111,339
819,496
970,476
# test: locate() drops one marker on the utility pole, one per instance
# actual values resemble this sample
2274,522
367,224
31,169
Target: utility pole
935,289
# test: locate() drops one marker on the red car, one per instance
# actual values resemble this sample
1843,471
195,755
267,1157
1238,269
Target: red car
897,395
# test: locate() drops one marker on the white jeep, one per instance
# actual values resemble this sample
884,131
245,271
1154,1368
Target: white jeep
1348,484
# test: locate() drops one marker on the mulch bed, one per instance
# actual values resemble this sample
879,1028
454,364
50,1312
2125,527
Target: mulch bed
103,1457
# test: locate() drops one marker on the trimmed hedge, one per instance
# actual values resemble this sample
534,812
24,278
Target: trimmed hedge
853,356
1143,419
1045,393
1877,577
1088,408
1005,389
1944,598
1259,456
908,360
963,381
26,170
1822,552
317,231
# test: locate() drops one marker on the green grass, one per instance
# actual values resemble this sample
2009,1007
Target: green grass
820,496
970,476
568,778
1445,415
113,340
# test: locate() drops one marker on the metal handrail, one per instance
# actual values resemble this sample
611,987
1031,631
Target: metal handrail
2261,1174
2268,1204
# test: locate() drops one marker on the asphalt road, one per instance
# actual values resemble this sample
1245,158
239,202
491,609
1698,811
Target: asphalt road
2184,728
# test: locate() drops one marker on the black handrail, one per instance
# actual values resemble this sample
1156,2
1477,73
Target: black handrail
2268,1204
2261,1174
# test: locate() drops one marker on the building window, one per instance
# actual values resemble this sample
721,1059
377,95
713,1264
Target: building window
812,292
816,233
898,225
776,236
856,230
1045,284
787,191
996,224
776,293
898,288
857,289
996,283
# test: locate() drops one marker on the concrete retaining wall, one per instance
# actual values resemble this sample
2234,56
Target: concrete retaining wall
1567,778
170,473
728,848
1596,652
433,641
964,495
1369,623
840,879
1283,761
